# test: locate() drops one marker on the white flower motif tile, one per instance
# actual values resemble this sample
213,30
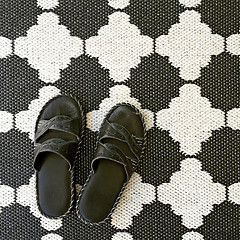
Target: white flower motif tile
192,236
131,203
119,46
122,236
234,193
48,47
52,236
190,119
233,118
5,47
190,3
118,94
190,45
47,4
191,193
118,4
233,44
26,196
6,197
25,120
6,121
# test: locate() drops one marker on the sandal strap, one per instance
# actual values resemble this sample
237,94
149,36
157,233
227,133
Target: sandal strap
119,132
60,123
113,153
65,149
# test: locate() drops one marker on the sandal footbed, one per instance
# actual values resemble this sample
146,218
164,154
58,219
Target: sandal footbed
54,181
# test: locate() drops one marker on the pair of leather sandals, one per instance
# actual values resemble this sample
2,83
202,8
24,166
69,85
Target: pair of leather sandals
58,133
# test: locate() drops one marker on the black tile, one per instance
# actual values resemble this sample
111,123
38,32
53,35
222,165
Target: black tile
154,17
157,221
220,156
16,222
17,16
74,228
220,82
161,159
222,223
19,84
87,80
155,82
83,18
16,158
222,16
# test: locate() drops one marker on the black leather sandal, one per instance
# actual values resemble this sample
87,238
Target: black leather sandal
120,147
58,134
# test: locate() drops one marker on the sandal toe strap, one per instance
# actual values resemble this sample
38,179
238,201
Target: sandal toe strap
113,153
118,132
65,149
60,123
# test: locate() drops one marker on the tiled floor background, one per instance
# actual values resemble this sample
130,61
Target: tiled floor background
177,61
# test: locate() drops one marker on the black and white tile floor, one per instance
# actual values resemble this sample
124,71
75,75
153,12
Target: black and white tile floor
177,61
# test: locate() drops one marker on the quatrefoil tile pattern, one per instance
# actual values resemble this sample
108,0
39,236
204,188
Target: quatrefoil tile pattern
115,40
189,45
192,124
54,50
191,188
177,61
